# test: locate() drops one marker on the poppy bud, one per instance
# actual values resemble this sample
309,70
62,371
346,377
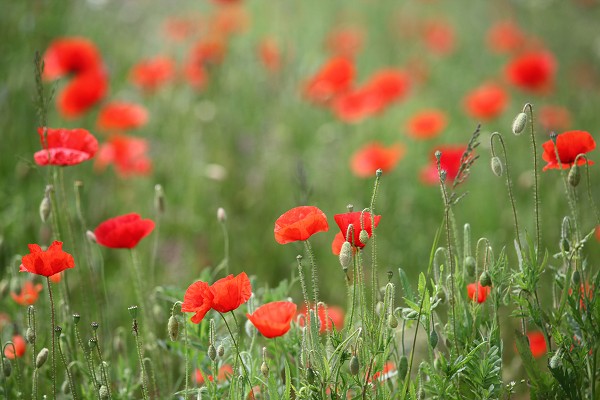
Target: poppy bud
421,394
409,313
41,357
264,369
574,175
354,365
403,367
470,264
576,277
159,199
346,255
485,279
363,236
30,335
91,236
7,366
212,352
379,308
433,339
221,350
76,318
103,392
45,209
564,245
556,360
497,167
310,376
519,123
173,328
441,295
392,321
221,215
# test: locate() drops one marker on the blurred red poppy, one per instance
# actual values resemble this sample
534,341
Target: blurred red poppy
329,316
225,372
29,293
195,73
389,370
537,343
269,54
209,51
65,147
449,162
427,124
197,299
127,153
505,37
486,102
230,292
334,78
345,42
569,145
181,28
273,319
354,218
70,55
586,292
124,231
18,349
355,106
439,37
229,20
388,85
477,292
300,223
56,278
532,71
373,156
554,118
46,263
151,74
121,116
83,92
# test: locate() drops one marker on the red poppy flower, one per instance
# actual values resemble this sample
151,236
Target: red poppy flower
29,294
388,85
56,278
354,218
179,29
345,42
554,118
46,263
532,71
273,319
486,102
338,241
230,292
121,116
65,146
373,156
427,124
198,299
586,293
449,161
269,54
70,55
505,37
124,231
389,371
152,73
300,223
18,350
478,293
195,73
537,343
82,93
229,20
209,51
329,316
127,153
569,145
225,372
439,37
334,78
355,106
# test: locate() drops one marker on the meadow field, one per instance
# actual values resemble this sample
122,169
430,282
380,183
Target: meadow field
299,199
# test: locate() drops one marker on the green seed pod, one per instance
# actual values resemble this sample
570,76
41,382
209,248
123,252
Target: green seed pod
103,392
41,357
212,352
221,350
346,255
30,336
470,264
519,123
264,369
433,339
497,167
485,279
409,313
173,328
574,176
363,236
7,367
310,376
403,367
354,365
576,278
392,321
76,318
45,209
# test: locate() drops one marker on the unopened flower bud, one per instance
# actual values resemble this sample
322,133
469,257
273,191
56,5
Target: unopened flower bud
41,357
392,321
379,308
103,392
354,365
264,369
212,352
485,279
470,264
221,215
91,236
497,167
159,199
403,367
433,339
519,123
409,313
30,335
7,366
363,236
221,350
556,360
346,255
45,209
574,175
576,277
173,328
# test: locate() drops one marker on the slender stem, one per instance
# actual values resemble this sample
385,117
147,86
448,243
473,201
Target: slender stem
31,325
315,280
226,246
53,338
536,196
138,345
303,283
102,367
237,351
89,362
373,242
69,376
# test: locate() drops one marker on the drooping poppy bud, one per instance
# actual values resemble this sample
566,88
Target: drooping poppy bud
519,123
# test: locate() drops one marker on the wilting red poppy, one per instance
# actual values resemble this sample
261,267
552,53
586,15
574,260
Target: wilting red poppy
427,124
537,343
124,231
439,37
449,162
345,42
18,350
354,218
486,102
46,263
477,292
505,37
230,292
554,118
328,316
569,145
586,293
83,92
269,54
225,372
70,55
121,116
389,371
273,319
197,299
334,78
151,74
532,71
127,153
29,294
300,223
373,156
65,147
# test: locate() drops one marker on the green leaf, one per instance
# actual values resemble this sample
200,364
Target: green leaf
405,283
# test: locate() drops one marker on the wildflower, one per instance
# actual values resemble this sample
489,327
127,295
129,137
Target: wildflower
195,73
532,71
29,294
209,51
449,162
345,42
586,293
537,343
426,124
300,223
83,92
329,317
478,292
230,292
46,263
334,78
439,37
555,118
179,29
505,37
124,231
273,319
568,144
229,20
388,85
70,55
354,218
338,241
373,156
389,371
269,54
18,350
197,299
65,146
225,372
127,153
121,116
151,74
486,102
